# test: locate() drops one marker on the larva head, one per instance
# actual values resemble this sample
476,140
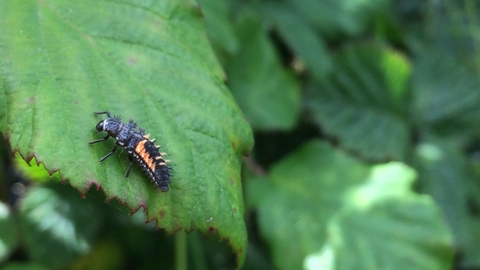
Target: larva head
101,125
110,125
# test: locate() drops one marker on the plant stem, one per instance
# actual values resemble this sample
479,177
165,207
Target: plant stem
181,251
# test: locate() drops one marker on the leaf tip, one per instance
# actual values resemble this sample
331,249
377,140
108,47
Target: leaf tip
144,205
89,184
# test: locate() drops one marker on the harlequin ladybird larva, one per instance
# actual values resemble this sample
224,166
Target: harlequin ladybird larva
139,146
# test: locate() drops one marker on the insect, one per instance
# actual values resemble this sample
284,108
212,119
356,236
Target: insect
138,146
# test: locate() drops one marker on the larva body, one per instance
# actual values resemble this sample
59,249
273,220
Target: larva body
139,146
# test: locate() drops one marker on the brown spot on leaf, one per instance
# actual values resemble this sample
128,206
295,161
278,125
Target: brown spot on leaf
235,210
212,230
232,182
234,145
132,61
162,213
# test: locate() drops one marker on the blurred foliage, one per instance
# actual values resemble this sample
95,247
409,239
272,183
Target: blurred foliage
366,122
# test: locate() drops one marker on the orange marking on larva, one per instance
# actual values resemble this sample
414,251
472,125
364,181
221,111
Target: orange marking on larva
140,150
151,165
140,147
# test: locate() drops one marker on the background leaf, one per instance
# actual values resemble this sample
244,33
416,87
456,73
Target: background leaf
444,174
356,14
267,93
384,225
303,191
300,37
8,232
54,234
219,27
445,95
60,61
363,103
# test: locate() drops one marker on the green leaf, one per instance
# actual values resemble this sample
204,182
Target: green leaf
300,36
365,101
268,94
336,18
384,225
150,61
301,194
446,96
8,232
53,233
444,174
219,25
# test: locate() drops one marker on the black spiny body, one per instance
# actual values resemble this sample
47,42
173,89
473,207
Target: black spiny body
139,146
